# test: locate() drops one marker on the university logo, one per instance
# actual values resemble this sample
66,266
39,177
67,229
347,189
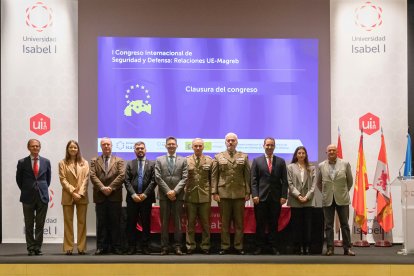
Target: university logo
369,123
39,16
40,124
137,100
368,16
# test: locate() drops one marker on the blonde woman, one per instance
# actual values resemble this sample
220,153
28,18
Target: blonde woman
74,177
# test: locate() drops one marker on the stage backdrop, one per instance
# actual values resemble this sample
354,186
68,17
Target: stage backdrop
39,99
369,89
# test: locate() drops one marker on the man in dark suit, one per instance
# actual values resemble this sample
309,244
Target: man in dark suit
107,173
269,192
170,176
140,184
33,178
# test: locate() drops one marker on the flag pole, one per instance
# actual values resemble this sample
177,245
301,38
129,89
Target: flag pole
383,242
338,242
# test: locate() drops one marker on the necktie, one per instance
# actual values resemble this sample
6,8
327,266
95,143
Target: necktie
197,161
140,174
35,166
106,164
269,164
171,163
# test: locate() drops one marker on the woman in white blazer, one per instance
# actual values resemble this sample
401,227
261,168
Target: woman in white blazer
301,177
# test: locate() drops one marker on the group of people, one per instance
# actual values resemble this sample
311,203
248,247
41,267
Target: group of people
185,183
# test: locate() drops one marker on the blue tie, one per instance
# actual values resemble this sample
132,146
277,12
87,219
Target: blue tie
140,176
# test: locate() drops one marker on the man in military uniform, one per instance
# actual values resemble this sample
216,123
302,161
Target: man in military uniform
231,188
197,196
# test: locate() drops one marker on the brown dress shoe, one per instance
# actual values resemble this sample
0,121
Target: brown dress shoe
349,252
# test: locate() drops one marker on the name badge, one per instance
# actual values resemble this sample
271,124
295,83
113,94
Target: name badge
240,161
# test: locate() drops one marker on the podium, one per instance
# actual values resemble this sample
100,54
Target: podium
407,206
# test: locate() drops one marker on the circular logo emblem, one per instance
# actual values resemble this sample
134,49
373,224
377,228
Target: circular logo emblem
39,16
368,16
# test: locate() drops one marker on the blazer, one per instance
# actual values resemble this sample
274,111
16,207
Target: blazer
231,175
338,187
269,185
114,178
297,187
174,180
74,181
148,182
28,184
198,184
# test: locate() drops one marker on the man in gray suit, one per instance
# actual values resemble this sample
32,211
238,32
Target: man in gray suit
230,187
334,180
170,176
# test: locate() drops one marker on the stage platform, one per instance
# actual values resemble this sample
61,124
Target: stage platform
369,261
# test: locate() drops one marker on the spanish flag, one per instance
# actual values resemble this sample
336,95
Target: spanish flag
359,201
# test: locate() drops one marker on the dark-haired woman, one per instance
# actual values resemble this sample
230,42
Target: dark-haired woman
301,190
74,176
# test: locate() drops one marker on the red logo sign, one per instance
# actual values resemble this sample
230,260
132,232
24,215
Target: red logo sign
40,124
369,123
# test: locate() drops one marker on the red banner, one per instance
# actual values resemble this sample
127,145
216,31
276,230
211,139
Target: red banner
215,224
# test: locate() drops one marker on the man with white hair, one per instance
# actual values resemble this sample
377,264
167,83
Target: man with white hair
231,188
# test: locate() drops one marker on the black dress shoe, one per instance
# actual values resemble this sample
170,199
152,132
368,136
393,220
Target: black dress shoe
307,250
82,253
329,252
100,251
240,252
117,251
190,251
349,252
146,251
164,251
38,253
30,253
258,251
178,251
205,251
131,251
223,252
68,252
275,251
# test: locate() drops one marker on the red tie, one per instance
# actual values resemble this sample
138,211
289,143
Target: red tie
269,164
35,166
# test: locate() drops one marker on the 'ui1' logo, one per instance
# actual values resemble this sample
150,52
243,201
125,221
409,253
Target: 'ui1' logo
369,123
40,124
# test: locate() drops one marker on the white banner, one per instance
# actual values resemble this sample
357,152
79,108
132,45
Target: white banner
39,99
369,90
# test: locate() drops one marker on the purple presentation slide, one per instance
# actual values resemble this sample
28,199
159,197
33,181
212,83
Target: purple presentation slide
150,88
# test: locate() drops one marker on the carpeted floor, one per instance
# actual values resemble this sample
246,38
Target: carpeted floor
16,253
